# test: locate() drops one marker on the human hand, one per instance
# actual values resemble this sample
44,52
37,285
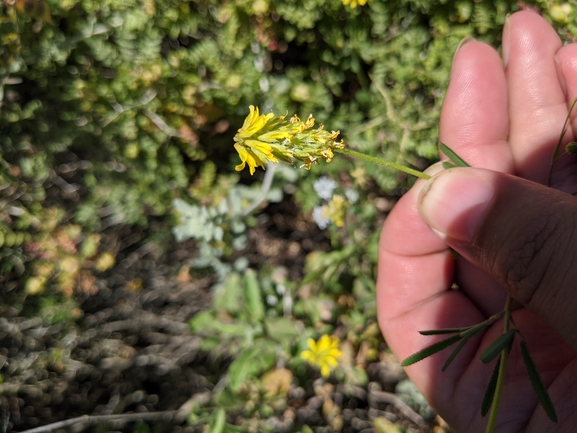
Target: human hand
513,234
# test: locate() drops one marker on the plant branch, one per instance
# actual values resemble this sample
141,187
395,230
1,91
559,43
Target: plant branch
266,185
555,156
95,419
501,374
382,162
119,109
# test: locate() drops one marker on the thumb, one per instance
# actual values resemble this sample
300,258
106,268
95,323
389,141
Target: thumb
522,233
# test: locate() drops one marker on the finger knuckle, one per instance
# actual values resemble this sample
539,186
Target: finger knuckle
527,262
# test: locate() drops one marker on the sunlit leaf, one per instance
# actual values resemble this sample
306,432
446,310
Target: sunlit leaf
456,159
34,8
497,346
383,425
281,329
202,321
430,350
251,363
218,421
537,383
228,296
253,295
490,391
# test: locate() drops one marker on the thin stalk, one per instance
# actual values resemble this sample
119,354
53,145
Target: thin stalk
383,162
555,156
501,374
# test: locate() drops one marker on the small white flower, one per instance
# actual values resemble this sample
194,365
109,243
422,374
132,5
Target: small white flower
319,217
324,187
280,289
351,195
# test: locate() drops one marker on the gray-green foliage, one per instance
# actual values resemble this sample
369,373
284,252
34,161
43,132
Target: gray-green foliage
220,229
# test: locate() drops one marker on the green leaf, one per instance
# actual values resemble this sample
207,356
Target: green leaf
430,350
456,159
252,295
281,329
442,331
217,423
454,354
234,329
202,321
537,383
206,323
474,330
497,346
228,295
571,148
251,363
141,427
490,391
448,164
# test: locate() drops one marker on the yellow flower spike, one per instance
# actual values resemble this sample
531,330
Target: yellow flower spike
270,138
253,123
323,354
247,157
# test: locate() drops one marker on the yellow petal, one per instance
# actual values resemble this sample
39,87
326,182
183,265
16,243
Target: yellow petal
306,355
253,122
259,145
335,353
252,116
332,362
312,345
324,341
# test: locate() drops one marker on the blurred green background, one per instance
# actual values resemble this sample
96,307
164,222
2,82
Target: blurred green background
117,117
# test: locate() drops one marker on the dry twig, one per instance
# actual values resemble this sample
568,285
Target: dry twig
96,419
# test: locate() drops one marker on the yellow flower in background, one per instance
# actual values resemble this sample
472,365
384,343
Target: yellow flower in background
269,138
335,210
354,3
323,354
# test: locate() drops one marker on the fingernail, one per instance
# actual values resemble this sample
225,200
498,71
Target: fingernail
431,171
435,168
454,203
463,42
506,44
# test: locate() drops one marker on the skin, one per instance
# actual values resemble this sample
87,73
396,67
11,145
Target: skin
514,234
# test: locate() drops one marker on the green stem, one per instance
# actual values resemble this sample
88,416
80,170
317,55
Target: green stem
383,162
501,374
555,156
